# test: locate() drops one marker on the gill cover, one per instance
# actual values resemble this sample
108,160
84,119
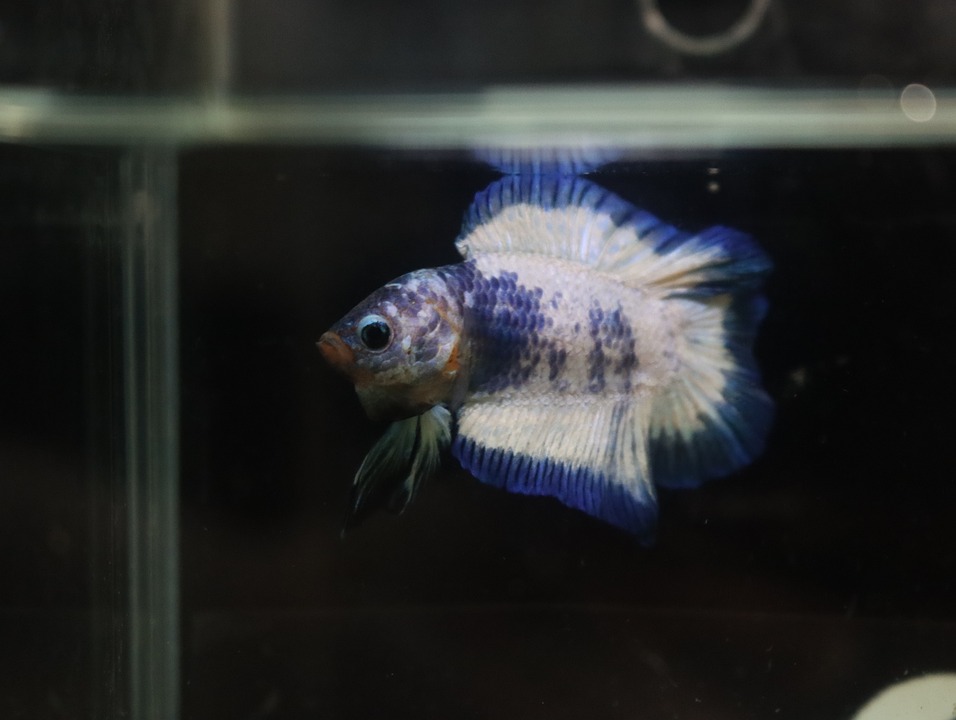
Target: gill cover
399,346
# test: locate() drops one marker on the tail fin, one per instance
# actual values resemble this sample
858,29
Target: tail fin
714,418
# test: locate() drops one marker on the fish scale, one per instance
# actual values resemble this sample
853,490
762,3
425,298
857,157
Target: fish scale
630,351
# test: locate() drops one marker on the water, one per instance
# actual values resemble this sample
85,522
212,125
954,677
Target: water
179,456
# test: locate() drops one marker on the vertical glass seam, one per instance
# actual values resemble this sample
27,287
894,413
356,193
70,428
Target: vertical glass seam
150,333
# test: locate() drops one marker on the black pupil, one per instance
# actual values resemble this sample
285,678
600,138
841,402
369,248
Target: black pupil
375,335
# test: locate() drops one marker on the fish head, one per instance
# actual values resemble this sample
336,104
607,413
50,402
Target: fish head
399,346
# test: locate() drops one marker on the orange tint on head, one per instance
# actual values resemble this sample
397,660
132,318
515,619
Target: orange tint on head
342,358
336,352
453,365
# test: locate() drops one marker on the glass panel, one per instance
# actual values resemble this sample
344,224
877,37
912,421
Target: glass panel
151,395
90,605
59,515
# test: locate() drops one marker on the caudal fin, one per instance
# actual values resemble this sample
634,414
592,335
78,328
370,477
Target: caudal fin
714,418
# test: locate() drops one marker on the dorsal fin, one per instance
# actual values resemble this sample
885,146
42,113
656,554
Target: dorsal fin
570,161
573,219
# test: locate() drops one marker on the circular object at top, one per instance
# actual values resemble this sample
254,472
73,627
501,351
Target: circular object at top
745,26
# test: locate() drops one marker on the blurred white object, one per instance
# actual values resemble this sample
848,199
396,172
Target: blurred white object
931,697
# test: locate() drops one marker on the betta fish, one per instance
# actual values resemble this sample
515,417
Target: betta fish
582,350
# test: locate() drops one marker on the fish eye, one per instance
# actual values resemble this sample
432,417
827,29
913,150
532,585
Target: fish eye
374,332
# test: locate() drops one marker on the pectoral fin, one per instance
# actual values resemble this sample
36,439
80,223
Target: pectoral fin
397,465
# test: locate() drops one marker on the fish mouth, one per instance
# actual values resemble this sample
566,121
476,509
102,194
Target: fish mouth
335,351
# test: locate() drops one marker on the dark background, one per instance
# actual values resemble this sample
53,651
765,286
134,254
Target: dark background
797,588
804,583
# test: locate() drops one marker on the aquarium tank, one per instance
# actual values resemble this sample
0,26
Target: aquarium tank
193,192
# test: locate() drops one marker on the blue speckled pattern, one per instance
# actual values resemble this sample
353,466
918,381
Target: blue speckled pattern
612,335
506,324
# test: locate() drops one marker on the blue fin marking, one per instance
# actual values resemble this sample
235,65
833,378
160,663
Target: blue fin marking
578,488
544,161
741,266
556,191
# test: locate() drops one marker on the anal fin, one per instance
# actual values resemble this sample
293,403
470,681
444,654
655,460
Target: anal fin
587,452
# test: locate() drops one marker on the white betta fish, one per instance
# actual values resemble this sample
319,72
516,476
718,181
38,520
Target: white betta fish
583,350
